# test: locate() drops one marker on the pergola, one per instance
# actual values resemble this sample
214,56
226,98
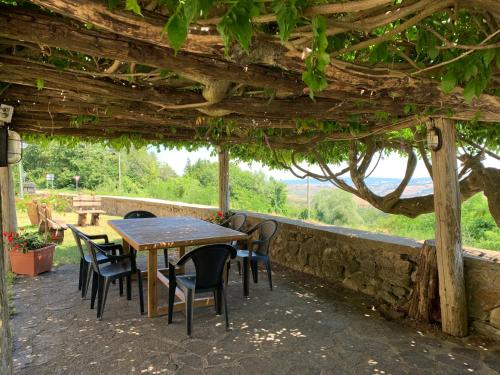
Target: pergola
76,68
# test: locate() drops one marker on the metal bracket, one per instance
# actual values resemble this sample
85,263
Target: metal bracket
6,112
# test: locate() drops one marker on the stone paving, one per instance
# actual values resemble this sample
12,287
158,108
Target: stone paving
302,327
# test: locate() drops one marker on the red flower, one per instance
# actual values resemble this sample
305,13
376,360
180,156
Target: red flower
212,218
220,214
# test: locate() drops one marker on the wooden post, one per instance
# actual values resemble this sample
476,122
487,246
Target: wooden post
223,180
448,236
5,334
9,217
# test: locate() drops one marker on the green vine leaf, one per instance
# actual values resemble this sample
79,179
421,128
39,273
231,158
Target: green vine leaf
112,4
134,6
316,62
287,15
40,84
177,30
449,81
237,24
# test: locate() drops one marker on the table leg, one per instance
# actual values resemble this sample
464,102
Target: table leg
126,247
152,294
182,252
246,271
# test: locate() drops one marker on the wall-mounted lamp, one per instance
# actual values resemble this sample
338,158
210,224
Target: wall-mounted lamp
10,141
14,148
434,139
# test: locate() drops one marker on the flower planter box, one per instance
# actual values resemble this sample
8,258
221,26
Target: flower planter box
33,262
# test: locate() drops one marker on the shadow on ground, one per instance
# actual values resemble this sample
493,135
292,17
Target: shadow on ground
295,329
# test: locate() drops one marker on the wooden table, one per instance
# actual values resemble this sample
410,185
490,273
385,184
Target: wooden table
153,234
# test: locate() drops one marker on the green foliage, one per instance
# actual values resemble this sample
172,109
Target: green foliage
80,120
40,83
316,62
177,29
237,24
24,240
334,206
134,6
287,16
56,202
478,227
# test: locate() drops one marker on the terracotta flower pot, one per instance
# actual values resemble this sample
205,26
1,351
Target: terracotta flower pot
33,262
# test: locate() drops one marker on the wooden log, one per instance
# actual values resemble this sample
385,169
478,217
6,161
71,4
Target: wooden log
95,219
223,180
9,218
448,236
423,304
82,220
5,333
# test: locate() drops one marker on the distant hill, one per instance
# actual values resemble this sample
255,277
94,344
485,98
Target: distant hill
297,189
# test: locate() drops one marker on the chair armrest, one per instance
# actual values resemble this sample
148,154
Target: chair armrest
105,247
100,237
119,257
253,229
184,259
225,222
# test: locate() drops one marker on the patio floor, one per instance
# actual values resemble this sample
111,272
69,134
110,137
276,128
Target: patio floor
295,329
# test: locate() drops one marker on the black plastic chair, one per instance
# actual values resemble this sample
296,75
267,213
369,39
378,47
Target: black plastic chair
145,215
236,221
209,262
121,266
260,249
85,259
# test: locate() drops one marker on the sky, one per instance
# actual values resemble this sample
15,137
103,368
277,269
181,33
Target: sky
389,167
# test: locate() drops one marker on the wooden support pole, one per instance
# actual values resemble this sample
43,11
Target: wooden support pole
448,235
9,218
5,334
223,180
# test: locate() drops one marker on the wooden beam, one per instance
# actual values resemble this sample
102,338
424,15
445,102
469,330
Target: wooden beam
448,235
9,218
223,180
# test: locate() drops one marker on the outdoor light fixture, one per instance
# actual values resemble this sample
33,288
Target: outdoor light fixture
434,139
10,142
14,148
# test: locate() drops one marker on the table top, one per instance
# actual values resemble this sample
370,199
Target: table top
179,231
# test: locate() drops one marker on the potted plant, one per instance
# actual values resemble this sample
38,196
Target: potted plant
30,253
219,217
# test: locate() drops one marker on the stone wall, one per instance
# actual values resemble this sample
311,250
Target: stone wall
379,265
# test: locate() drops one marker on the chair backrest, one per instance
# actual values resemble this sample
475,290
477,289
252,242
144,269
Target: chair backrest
237,221
267,230
139,215
209,262
92,248
87,202
77,235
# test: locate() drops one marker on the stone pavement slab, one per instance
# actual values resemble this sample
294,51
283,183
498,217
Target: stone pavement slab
302,327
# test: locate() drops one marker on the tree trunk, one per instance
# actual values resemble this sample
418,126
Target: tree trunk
448,236
424,300
223,181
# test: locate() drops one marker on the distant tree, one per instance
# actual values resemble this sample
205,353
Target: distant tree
334,206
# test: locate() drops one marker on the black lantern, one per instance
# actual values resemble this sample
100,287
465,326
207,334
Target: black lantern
434,139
